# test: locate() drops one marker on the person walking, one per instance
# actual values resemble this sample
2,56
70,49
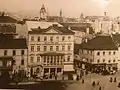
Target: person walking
115,79
82,81
111,79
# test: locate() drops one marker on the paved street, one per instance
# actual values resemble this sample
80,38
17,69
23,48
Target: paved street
73,85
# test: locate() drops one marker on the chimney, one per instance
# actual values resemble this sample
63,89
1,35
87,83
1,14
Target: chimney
87,30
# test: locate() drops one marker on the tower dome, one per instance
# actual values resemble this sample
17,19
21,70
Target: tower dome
43,13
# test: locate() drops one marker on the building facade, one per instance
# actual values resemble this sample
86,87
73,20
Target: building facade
51,50
13,52
97,55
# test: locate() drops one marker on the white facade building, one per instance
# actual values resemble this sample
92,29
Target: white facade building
52,49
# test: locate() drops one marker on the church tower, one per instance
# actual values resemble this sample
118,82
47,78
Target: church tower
61,16
43,13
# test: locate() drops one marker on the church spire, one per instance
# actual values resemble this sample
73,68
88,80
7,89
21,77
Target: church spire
43,13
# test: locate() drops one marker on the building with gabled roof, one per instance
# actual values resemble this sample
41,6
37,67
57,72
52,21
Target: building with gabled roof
51,50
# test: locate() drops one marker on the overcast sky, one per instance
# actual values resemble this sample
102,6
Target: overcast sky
69,7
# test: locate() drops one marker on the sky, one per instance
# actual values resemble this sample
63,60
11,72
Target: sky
70,8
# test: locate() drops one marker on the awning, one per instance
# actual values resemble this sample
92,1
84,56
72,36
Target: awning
68,72
6,57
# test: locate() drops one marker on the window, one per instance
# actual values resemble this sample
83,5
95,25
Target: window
51,48
91,60
9,63
63,48
113,53
5,52
57,38
114,60
38,39
63,38
109,53
45,48
22,62
57,48
38,59
45,38
69,37
69,48
31,59
22,52
109,61
51,38
14,62
38,48
1,63
87,52
32,38
32,48
103,60
98,61
68,59
98,53
103,53
14,52
91,52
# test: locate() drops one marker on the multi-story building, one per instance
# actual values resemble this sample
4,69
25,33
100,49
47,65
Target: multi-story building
51,50
99,53
13,52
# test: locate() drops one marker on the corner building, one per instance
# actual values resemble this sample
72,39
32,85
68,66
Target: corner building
51,50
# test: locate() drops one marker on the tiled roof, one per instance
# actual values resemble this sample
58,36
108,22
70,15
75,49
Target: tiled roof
7,41
99,43
7,19
59,29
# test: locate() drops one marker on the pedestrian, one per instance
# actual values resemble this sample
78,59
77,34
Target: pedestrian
115,79
55,77
100,88
98,82
93,84
82,81
111,79
77,78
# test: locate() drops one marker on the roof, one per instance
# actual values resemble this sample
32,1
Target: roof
7,19
99,43
76,24
83,29
7,41
61,30
41,24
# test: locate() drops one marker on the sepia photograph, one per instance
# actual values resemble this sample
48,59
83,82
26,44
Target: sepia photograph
59,45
